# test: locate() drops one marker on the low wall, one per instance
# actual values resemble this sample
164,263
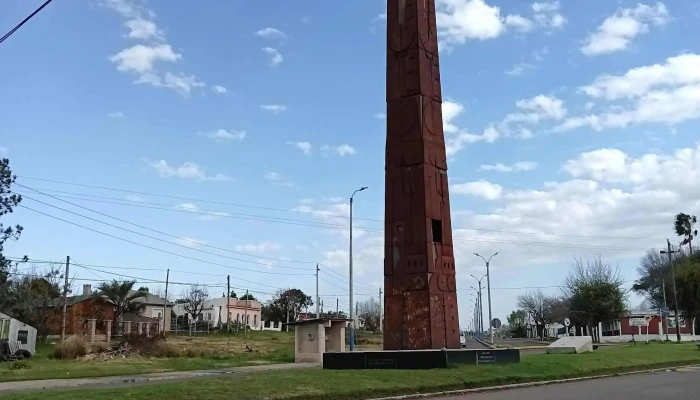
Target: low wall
643,338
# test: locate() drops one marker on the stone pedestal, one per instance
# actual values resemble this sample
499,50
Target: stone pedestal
139,328
314,337
148,329
127,328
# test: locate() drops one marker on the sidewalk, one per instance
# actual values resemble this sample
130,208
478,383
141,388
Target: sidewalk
115,381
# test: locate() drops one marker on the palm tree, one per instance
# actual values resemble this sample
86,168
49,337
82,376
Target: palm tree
684,227
121,294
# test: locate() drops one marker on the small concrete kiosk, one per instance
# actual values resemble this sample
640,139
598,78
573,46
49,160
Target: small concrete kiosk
313,337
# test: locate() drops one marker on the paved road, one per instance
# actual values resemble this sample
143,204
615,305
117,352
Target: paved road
474,344
682,384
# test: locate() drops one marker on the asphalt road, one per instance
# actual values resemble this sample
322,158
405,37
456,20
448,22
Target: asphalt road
682,384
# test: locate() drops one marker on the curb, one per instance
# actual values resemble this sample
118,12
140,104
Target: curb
528,384
485,343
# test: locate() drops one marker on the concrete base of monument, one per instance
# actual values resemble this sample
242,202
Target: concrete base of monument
571,345
418,359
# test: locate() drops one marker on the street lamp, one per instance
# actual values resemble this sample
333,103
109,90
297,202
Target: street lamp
480,304
352,319
488,284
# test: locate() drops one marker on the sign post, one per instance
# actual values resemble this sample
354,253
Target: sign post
567,322
648,319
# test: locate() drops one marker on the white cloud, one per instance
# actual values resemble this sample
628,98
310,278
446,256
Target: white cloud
520,23
219,89
547,15
450,111
140,58
520,166
307,201
181,83
274,108
382,116
273,176
519,69
538,107
116,114
202,215
127,8
271,33
135,197
189,242
188,170
140,28
461,20
275,56
303,146
259,248
341,150
483,189
660,93
619,29
222,135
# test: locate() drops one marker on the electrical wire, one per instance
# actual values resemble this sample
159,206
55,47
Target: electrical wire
24,21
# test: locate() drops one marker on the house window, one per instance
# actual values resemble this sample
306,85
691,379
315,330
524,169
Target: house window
208,316
238,317
437,231
255,320
247,319
4,328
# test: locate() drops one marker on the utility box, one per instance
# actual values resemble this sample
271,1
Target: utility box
313,337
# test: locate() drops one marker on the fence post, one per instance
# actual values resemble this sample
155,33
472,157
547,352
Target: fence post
91,330
108,329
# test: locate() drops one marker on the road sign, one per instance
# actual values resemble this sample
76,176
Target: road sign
636,321
496,323
546,326
648,318
567,322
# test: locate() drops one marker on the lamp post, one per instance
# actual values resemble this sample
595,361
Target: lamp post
480,304
670,252
488,284
352,319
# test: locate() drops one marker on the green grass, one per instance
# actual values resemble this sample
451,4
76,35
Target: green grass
341,385
271,348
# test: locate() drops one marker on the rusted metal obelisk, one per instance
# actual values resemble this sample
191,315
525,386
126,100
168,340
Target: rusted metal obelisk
419,269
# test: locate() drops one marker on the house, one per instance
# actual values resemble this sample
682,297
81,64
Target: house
88,306
214,311
13,330
636,323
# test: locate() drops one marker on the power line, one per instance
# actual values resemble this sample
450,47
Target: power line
325,214
143,245
193,199
164,233
201,211
24,21
174,244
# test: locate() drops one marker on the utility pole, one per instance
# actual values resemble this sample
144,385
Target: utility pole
287,327
228,304
675,295
245,317
321,315
488,284
381,312
65,299
352,320
165,302
665,308
318,299
336,307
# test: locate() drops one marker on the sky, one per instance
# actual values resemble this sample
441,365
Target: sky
225,138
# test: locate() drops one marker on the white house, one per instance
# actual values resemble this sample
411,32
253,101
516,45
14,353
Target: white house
14,330
239,311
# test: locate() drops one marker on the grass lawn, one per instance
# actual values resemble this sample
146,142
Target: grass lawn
325,384
269,348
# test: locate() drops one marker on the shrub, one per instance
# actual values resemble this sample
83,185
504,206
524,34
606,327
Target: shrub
18,365
71,348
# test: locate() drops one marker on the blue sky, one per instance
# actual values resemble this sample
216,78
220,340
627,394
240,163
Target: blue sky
571,128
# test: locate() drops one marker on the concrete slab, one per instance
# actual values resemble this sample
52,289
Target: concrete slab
571,345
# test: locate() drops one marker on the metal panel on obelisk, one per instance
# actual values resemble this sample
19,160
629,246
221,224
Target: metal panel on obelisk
419,268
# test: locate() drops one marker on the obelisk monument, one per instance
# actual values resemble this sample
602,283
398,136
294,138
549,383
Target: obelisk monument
419,269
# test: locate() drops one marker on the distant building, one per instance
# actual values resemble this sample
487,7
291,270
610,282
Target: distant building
215,311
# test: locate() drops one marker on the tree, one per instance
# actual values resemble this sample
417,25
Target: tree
121,294
34,298
370,311
8,201
516,321
143,289
594,292
195,300
248,297
654,276
540,307
286,302
683,225
232,294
